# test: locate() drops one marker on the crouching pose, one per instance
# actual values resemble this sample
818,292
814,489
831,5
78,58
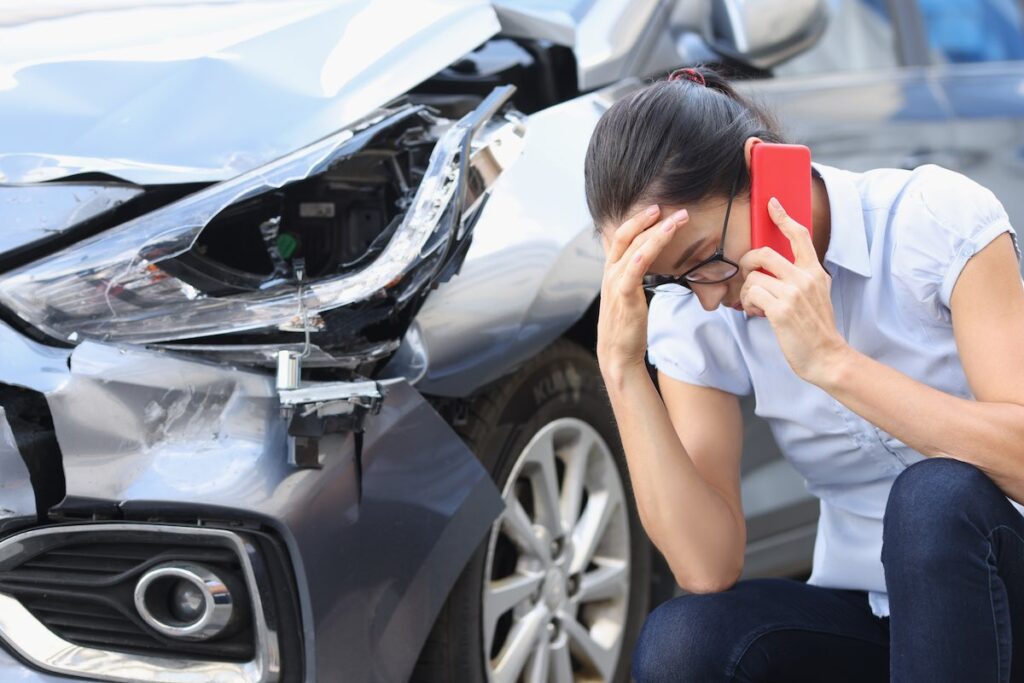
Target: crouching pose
888,360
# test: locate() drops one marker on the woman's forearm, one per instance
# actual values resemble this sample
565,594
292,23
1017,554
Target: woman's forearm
687,519
988,435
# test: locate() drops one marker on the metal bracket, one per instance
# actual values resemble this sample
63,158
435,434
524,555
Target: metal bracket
316,410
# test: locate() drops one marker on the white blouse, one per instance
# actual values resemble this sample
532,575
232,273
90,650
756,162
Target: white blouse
899,240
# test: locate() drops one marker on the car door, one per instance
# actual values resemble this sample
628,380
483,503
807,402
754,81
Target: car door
862,97
976,52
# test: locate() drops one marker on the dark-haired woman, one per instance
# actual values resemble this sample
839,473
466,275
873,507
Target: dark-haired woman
889,363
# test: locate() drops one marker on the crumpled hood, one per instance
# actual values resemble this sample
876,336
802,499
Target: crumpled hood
184,91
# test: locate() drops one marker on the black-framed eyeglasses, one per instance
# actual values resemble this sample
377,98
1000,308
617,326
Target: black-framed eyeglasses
712,270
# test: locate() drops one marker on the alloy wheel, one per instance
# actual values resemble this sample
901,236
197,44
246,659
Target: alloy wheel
557,572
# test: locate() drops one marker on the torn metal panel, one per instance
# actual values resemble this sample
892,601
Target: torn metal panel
17,499
187,91
33,213
161,435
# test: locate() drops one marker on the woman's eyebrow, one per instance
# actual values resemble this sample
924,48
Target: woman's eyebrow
688,253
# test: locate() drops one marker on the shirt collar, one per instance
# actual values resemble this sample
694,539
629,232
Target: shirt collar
848,241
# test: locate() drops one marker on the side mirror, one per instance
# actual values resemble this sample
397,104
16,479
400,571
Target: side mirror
763,33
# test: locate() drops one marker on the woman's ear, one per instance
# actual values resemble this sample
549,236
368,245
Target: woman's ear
748,145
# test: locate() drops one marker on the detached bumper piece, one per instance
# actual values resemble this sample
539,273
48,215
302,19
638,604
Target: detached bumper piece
140,602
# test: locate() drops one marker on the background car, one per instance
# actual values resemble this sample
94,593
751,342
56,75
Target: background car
297,315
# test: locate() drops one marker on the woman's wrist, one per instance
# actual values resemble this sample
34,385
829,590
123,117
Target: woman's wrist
618,372
836,369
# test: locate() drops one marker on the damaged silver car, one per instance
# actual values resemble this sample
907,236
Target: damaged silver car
297,308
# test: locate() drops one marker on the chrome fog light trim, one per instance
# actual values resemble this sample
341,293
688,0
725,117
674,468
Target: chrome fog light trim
218,605
31,640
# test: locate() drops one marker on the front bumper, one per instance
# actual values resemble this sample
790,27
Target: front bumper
375,543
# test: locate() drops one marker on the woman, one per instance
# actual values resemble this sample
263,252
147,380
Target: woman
888,361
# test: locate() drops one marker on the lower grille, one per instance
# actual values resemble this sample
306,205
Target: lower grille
81,586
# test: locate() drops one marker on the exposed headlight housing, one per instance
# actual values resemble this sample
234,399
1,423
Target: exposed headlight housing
136,283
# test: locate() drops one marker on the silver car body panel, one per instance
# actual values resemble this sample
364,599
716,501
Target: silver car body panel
33,213
29,364
611,39
196,71
532,270
85,90
17,498
374,557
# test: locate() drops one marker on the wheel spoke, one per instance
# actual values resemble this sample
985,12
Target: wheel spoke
561,663
522,639
545,486
591,527
520,530
574,479
587,509
537,671
504,594
588,649
609,580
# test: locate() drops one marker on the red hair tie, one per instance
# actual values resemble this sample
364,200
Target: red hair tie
688,74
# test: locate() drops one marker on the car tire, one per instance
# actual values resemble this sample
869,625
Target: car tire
554,402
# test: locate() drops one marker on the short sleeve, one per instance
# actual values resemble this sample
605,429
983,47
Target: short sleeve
950,219
694,346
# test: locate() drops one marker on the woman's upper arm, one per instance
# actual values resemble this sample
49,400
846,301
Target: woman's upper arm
987,307
710,426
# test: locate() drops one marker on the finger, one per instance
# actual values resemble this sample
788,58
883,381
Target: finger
775,287
641,257
798,235
770,260
758,301
627,232
664,231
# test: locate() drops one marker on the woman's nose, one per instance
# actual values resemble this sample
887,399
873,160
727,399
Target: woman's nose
711,296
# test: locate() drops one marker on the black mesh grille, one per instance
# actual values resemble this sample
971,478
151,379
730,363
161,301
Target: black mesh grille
82,588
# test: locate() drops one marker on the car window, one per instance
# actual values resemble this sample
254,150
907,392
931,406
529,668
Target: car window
859,37
973,30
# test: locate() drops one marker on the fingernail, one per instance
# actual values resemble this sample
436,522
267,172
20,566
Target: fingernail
652,210
680,215
636,259
774,203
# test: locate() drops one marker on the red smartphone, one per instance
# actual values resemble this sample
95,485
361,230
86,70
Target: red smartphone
783,172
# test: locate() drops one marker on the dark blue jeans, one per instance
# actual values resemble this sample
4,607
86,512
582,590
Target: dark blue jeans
953,553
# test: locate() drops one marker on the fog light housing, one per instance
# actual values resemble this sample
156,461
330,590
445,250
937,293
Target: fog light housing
186,601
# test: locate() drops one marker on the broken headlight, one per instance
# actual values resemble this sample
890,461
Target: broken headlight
373,210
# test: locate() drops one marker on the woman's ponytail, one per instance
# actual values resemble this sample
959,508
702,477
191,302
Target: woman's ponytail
675,141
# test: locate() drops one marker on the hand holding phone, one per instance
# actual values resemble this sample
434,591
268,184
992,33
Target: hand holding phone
784,172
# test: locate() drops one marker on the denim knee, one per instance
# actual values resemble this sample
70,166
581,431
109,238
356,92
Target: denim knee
931,505
678,642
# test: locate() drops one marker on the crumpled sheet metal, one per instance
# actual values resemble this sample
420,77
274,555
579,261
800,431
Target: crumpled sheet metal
374,555
203,91
203,432
17,499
